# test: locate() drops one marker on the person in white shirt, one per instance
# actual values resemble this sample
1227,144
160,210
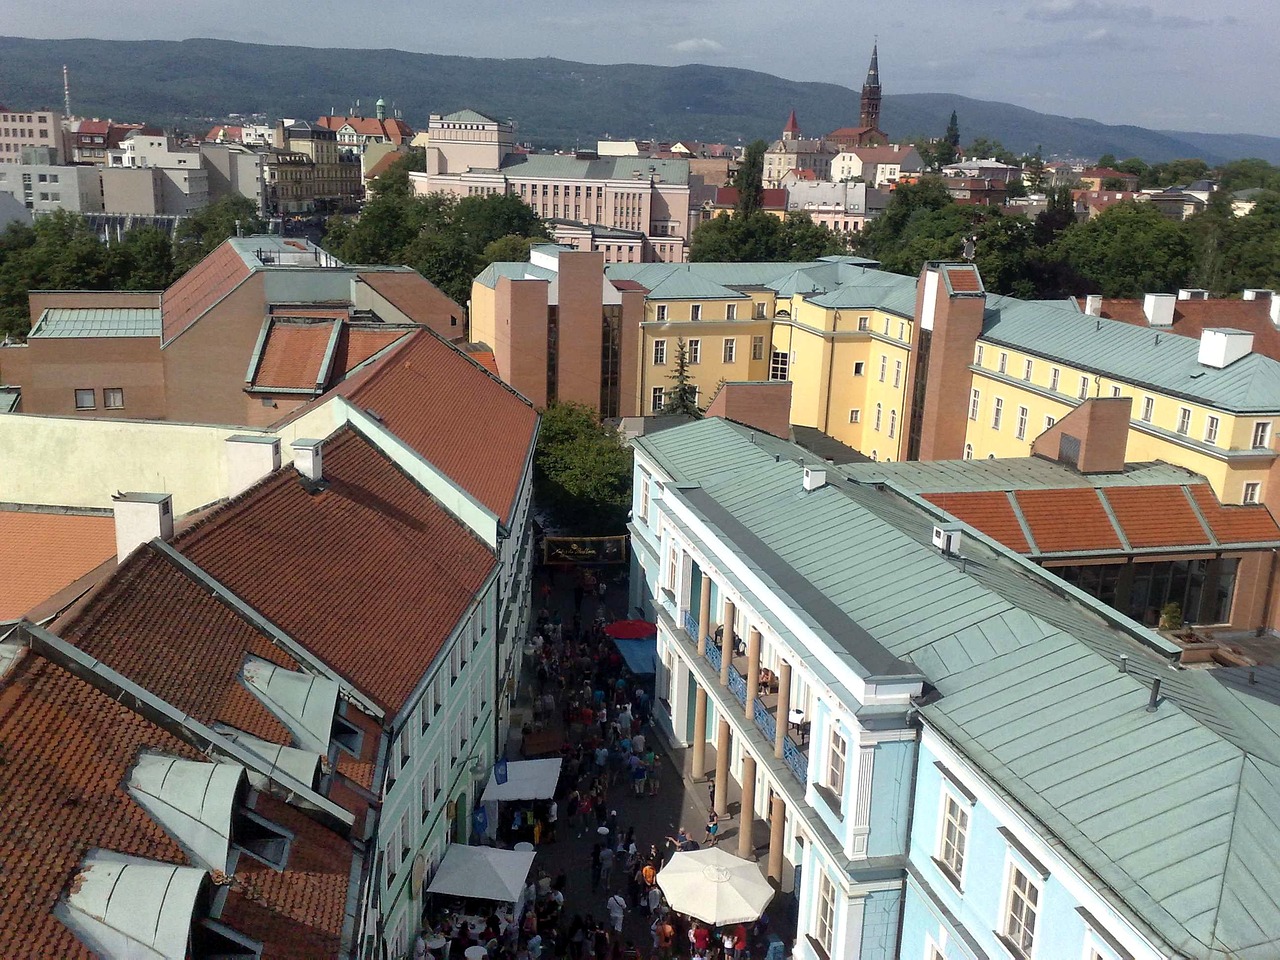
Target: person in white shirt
617,909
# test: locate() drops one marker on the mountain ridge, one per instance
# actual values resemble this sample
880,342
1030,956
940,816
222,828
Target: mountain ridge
557,103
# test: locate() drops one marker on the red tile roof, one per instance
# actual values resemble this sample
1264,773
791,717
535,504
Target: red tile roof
1062,520
1192,317
393,129
65,749
418,299
1235,524
369,572
485,358
158,627
987,511
294,354
964,279
192,294
1155,516
69,546
453,412
358,344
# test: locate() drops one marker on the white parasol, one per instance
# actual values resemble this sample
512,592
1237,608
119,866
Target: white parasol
715,886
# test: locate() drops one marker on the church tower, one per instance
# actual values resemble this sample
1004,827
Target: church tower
792,130
871,93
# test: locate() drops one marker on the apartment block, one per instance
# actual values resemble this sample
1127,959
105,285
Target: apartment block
31,129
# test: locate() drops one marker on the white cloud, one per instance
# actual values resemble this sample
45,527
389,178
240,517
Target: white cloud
1065,11
698,45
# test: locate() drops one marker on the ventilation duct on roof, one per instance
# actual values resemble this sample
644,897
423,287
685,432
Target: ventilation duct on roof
192,800
1220,348
1093,305
141,518
305,704
1193,293
1158,309
814,478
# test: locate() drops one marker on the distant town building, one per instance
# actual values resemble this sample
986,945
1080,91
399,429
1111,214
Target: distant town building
335,178
355,133
840,207
25,130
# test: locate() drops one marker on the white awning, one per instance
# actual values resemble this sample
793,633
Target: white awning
526,780
485,873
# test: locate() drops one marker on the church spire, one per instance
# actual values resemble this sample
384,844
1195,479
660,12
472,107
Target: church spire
870,113
792,130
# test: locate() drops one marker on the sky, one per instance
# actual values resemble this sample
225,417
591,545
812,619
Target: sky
1168,64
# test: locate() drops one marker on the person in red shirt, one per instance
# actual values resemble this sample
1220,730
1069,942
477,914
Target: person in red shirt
700,936
739,941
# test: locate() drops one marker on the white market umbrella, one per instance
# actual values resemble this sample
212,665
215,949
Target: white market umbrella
715,887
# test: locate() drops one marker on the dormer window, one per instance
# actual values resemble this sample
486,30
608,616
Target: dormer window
260,838
211,940
347,736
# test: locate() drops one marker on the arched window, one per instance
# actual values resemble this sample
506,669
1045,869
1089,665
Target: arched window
968,451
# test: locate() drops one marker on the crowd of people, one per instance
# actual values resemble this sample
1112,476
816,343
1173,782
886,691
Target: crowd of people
591,711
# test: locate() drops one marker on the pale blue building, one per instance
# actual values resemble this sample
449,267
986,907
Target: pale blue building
957,754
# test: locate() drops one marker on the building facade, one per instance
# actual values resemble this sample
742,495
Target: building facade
31,129
44,188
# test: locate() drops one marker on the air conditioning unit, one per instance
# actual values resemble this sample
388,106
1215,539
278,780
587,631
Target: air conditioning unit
946,537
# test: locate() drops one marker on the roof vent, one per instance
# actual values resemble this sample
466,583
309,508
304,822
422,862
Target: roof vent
250,457
307,458
1222,347
946,537
1093,305
814,478
1158,309
1258,293
1193,293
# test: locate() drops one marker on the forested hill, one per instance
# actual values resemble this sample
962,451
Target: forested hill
557,103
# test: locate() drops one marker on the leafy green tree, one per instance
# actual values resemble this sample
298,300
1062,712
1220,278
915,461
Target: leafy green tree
1034,168
143,260
749,178
1247,173
1128,250
1254,247
512,248
952,136
394,181
884,235
682,396
582,471
802,239
761,236
982,148
199,234
1006,254
1212,232
1059,214
1108,161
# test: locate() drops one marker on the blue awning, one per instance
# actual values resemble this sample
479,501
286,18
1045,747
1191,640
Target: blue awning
641,656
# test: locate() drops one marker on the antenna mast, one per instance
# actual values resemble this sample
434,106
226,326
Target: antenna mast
66,93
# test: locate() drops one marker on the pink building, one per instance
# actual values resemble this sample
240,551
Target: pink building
22,130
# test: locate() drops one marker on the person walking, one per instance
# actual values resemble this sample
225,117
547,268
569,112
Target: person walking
552,811
617,906
606,864
713,828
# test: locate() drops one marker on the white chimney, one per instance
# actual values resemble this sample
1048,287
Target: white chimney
140,518
249,459
1158,309
1193,293
815,477
306,457
1219,348
1258,293
1093,305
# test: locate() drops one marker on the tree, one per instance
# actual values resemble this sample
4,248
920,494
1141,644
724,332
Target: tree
1254,246
582,471
1034,170
394,181
982,148
1107,161
199,234
1128,250
749,178
512,248
952,136
947,149
760,236
682,397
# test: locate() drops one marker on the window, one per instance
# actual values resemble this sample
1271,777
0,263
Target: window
977,356
259,837
902,331
757,347
855,416
1020,912
695,312
879,412
113,398
659,352
1251,493
1184,421
760,309
1084,388
837,750
1115,391
996,412
1148,408
1262,434
1004,363
974,398
859,368
968,451
404,749
695,351
1053,378
85,400
662,311
1021,433
886,326
953,836
1211,430
779,365
1026,370
1049,422
730,350
884,366
731,311
658,397
825,926
893,423
864,323
644,499
897,373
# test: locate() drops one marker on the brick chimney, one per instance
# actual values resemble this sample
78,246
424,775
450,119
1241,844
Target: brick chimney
950,302
1092,438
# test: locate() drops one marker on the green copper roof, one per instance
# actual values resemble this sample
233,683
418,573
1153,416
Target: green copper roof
468,116
1176,810
60,322
1143,356
555,166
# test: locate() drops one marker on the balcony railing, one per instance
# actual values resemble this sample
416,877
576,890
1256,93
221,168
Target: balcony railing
796,760
713,656
737,684
691,626
765,722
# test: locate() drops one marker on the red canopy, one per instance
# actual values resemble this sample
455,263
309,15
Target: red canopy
631,629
